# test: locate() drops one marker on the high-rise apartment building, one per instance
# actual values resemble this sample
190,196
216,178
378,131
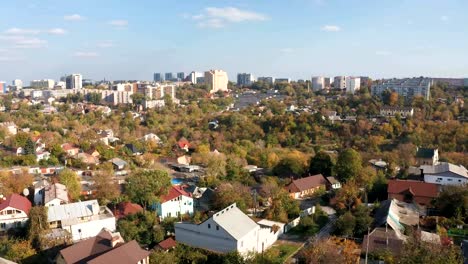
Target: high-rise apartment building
157,77
216,80
339,82
18,84
407,88
318,83
168,76
353,84
194,77
46,83
282,80
269,80
327,82
181,76
245,79
74,81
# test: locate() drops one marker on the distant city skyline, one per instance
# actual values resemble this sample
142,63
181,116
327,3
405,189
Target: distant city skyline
299,39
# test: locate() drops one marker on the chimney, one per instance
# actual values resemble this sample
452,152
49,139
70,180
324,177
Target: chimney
421,174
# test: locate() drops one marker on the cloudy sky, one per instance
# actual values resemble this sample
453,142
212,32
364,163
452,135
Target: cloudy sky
131,39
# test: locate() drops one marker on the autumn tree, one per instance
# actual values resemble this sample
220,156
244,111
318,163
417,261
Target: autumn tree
69,178
15,183
106,188
146,186
37,224
332,250
348,165
415,250
228,193
321,164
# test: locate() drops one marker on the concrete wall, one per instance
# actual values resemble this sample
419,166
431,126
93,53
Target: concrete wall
446,178
10,220
172,208
90,229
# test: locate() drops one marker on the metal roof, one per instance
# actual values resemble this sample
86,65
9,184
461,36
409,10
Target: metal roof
73,211
234,221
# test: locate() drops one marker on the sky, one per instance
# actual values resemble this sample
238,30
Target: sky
132,39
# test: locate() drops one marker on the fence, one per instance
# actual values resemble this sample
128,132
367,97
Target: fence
295,222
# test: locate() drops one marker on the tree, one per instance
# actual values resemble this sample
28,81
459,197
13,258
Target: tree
106,188
345,224
453,202
37,224
228,193
332,250
143,227
29,147
348,165
16,250
417,251
293,163
146,186
69,178
321,164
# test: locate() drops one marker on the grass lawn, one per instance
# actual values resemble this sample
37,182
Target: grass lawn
285,251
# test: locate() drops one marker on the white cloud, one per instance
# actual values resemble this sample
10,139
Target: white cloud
22,31
287,50
86,54
105,44
118,23
215,17
30,43
57,31
330,28
383,53
74,17
444,18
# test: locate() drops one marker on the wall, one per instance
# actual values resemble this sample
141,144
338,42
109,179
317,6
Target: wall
11,219
172,208
446,178
90,229
295,222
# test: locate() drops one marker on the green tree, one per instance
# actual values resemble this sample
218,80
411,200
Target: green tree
29,147
345,224
321,164
348,165
146,186
37,224
107,189
69,178
453,202
417,251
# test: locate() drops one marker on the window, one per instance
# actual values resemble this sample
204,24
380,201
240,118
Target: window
449,179
209,226
217,227
2,225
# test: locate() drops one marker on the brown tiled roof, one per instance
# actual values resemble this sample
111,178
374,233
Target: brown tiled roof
381,239
88,249
417,188
306,183
127,208
167,243
129,253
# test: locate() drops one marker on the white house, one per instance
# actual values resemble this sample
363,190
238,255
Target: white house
228,230
445,173
176,202
81,219
39,191
14,210
55,194
152,137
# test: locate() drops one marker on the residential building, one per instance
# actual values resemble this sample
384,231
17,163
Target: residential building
157,77
216,80
407,88
112,97
339,82
451,82
74,81
105,247
175,203
3,87
226,231
410,191
427,156
54,194
327,82
70,149
125,209
269,80
388,111
194,77
168,76
306,186
43,84
81,219
282,80
353,84
14,211
318,83
181,76
166,244
333,183
445,173
151,137
245,79
18,84
119,164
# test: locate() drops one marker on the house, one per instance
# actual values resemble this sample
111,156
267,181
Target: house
333,183
105,247
183,144
55,194
14,210
412,191
427,156
93,152
306,186
119,164
226,231
107,136
445,173
81,219
42,155
203,197
39,191
87,159
166,244
378,165
134,149
151,137
388,111
176,202
127,208
184,160
10,127
70,149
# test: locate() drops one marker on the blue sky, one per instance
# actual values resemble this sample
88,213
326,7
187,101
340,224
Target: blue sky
131,39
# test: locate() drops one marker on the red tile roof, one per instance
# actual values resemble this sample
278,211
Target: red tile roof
16,201
417,188
167,243
175,192
306,183
127,208
183,142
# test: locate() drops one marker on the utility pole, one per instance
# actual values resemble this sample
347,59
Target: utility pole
367,243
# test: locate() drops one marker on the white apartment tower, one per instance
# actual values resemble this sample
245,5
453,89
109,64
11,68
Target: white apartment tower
216,80
74,81
318,83
353,84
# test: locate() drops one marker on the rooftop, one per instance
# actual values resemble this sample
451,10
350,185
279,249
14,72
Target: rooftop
445,167
234,221
306,183
417,188
16,201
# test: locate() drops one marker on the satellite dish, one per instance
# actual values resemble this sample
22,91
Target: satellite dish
26,192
